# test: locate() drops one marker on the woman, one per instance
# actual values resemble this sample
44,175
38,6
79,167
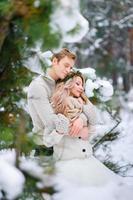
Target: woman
73,154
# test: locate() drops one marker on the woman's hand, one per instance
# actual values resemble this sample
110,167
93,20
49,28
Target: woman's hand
84,133
76,127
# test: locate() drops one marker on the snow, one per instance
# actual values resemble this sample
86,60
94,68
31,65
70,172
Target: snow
80,29
11,179
120,150
70,4
89,88
89,72
36,3
34,65
9,156
33,62
125,19
45,56
97,42
111,191
31,167
75,25
123,148
103,23
92,32
103,88
130,95
2,109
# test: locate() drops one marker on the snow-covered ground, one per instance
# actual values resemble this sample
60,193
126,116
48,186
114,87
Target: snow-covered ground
120,150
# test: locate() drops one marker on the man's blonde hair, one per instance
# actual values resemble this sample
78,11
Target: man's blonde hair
64,52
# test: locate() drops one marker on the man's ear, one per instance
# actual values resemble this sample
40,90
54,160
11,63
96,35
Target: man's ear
55,61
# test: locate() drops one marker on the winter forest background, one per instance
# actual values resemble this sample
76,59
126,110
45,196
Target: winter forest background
100,32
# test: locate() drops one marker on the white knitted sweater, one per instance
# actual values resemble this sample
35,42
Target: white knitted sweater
46,124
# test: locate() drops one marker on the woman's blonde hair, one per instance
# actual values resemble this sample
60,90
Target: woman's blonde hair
64,52
62,91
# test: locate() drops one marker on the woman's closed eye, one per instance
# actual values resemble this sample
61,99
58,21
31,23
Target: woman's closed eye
78,84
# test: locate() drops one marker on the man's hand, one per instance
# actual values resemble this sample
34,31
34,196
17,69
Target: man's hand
76,127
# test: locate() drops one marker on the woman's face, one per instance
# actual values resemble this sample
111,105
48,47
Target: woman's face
77,88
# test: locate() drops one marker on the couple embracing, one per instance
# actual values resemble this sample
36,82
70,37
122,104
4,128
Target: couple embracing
64,118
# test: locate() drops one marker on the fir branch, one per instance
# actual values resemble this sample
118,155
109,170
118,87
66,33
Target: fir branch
102,139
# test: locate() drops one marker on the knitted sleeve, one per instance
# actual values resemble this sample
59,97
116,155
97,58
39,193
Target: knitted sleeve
74,110
39,101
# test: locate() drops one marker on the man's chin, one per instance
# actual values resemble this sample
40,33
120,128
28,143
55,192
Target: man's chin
62,77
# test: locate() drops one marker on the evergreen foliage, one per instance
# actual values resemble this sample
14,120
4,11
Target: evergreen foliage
22,24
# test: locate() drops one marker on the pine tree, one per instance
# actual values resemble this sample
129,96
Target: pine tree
22,24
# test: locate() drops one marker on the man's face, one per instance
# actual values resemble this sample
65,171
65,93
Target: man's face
63,67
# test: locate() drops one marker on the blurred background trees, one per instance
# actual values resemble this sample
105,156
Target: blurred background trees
108,46
22,23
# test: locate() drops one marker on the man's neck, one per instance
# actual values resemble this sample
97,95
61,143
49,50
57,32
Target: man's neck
52,74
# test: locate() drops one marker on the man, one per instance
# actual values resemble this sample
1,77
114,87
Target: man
40,108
